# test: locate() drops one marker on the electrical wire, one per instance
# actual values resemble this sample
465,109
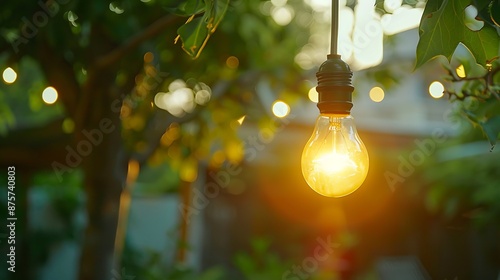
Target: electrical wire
335,26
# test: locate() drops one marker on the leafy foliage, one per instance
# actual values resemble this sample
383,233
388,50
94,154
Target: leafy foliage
477,93
150,266
443,27
460,180
446,24
197,30
447,28
263,53
469,195
259,263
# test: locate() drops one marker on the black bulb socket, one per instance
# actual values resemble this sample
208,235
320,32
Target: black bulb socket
334,86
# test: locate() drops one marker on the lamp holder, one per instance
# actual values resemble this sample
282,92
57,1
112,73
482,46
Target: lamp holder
334,86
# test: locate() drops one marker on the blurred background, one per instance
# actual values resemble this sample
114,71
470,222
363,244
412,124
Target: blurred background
134,161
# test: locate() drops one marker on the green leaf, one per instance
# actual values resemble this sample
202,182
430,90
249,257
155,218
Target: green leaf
442,29
491,128
215,13
471,68
196,32
193,35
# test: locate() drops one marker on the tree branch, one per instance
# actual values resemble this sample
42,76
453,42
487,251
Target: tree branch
152,30
35,147
487,79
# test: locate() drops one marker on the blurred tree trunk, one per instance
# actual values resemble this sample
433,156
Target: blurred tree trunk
104,176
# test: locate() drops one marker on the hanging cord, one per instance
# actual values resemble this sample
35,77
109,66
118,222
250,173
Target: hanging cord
335,26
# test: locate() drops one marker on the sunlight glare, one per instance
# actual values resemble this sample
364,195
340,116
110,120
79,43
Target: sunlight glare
401,20
367,35
320,5
392,5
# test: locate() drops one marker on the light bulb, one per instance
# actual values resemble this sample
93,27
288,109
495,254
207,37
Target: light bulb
334,160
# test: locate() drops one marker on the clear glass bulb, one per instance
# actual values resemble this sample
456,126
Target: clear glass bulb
334,160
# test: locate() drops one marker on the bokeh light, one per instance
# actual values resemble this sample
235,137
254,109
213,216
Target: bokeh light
279,3
202,96
313,95
148,57
203,93
49,95
391,6
181,99
436,89
72,17
282,15
188,170
280,109
68,125
232,62
9,75
114,8
377,94
173,133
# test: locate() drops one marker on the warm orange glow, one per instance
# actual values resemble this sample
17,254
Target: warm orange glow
148,57
335,161
133,171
